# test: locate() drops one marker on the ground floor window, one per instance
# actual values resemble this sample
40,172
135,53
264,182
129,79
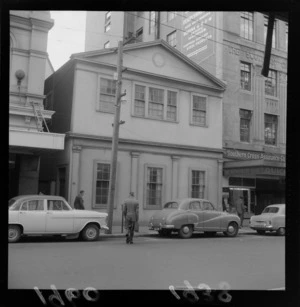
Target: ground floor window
154,187
102,184
197,186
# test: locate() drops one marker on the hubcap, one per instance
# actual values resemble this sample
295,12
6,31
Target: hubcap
231,228
185,229
91,233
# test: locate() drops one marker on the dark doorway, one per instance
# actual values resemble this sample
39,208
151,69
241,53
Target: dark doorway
14,173
62,181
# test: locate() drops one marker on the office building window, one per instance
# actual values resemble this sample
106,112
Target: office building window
171,15
107,21
102,184
197,186
198,110
271,122
106,45
140,100
245,119
172,105
107,95
171,39
139,35
266,21
246,76
156,103
154,187
247,25
271,83
152,17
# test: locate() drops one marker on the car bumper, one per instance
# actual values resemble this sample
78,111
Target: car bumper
262,227
160,227
104,227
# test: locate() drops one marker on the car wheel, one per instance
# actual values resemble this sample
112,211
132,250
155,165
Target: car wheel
261,232
210,233
232,230
281,231
185,231
14,233
90,233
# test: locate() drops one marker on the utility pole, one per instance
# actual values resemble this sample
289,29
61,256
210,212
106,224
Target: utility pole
115,139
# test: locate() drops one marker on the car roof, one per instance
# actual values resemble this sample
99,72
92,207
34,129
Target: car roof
276,205
37,196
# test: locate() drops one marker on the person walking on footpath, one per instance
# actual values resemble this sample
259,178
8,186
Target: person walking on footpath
240,208
131,214
78,203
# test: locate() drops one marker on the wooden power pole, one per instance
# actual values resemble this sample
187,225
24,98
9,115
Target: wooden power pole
115,139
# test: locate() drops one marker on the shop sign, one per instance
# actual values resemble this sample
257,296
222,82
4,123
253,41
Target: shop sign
248,155
263,170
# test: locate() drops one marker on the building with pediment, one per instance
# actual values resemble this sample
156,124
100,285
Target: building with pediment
170,142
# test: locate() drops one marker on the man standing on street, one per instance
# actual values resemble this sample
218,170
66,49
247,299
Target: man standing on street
78,203
240,208
131,214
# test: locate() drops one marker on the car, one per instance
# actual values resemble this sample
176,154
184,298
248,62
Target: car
271,219
36,215
193,214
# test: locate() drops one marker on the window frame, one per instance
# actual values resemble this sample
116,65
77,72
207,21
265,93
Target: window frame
192,123
165,102
163,189
249,73
107,21
205,171
275,130
249,122
267,79
246,22
99,106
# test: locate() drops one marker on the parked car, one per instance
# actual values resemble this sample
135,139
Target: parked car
271,219
192,214
31,215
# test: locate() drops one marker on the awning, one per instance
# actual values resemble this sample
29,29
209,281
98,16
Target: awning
254,167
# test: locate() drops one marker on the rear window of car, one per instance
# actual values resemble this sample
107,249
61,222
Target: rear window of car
271,210
171,205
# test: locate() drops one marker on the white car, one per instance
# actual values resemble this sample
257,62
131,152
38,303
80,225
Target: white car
37,215
271,219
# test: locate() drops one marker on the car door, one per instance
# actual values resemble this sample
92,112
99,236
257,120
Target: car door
195,207
210,217
32,216
59,217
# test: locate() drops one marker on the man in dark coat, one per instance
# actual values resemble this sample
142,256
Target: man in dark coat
78,203
131,214
240,208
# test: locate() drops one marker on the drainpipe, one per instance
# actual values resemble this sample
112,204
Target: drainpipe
158,26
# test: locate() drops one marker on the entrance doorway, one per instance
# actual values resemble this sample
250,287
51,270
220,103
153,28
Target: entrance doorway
248,195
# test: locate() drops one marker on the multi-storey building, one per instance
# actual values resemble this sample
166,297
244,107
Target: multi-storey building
231,46
170,143
28,135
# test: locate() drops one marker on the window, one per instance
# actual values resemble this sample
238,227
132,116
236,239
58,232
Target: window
197,184
156,103
107,21
270,129
150,102
171,15
102,183
195,206
246,76
245,118
199,110
139,35
139,101
171,205
171,39
286,36
33,205
172,105
56,205
107,95
271,210
154,187
106,45
266,21
271,83
247,25
207,206
151,22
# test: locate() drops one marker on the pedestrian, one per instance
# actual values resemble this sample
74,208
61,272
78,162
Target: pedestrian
240,208
225,205
131,215
78,203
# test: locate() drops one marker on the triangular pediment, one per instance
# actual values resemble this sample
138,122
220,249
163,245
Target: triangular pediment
157,58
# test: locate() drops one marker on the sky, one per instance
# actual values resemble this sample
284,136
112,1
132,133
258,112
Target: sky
66,37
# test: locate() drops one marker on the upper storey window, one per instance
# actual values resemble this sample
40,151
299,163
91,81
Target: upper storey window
247,25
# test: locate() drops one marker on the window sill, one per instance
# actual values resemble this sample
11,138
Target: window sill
271,97
102,111
249,92
157,119
197,125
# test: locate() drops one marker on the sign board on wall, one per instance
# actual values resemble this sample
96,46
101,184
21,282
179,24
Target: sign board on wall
250,155
198,35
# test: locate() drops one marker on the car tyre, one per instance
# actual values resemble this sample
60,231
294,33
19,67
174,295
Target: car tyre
261,232
90,233
232,230
185,231
280,231
14,233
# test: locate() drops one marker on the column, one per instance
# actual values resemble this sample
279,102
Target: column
220,188
175,166
75,177
134,173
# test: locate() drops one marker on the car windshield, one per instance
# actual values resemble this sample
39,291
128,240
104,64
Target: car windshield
271,210
13,204
171,205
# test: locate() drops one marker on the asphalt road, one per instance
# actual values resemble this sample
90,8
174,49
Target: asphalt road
246,262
